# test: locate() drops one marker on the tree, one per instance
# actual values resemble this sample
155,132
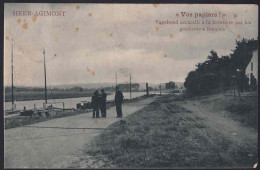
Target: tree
170,85
219,72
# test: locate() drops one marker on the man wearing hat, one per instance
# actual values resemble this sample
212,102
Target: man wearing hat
119,97
103,100
95,104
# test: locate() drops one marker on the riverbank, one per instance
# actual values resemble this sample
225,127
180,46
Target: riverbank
177,133
32,95
18,121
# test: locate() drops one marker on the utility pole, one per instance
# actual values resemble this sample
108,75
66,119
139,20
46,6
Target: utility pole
45,76
12,63
130,87
116,78
160,89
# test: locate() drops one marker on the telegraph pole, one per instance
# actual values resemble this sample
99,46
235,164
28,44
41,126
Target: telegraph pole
116,78
45,76
130,87
12,63
160,89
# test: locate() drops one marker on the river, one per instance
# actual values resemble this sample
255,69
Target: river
68,102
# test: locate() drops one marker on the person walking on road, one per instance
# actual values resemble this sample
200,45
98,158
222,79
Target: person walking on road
103,100
119,97
95,104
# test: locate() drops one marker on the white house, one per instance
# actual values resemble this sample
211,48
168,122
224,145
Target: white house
252,67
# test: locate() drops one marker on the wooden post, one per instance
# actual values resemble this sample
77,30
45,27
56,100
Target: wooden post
45,77
116,78
147,89
239,93
130,87
12,62
160,89
234,93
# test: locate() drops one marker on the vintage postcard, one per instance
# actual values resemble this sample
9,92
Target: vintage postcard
99,85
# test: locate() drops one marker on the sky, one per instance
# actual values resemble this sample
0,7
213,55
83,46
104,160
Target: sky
92,42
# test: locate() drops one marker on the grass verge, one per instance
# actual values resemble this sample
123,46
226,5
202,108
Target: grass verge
165,135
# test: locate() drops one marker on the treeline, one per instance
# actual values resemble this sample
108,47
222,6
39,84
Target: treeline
222,72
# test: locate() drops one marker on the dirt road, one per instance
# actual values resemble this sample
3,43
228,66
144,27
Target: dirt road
241,146
53,143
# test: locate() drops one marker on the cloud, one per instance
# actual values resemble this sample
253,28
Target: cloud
114,36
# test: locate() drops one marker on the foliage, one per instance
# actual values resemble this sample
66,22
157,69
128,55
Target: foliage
170,85
219,72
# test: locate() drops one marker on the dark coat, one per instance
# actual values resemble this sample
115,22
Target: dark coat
119,97
95,101
103,98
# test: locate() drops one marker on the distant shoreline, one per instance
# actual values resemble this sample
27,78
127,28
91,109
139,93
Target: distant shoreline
30,96
48,99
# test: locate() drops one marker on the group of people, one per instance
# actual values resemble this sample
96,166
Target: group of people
99,102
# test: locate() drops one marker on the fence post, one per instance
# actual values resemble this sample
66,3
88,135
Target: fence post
147,90
234,93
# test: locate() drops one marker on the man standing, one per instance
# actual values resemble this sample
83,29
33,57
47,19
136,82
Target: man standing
95,104
119,100
103,99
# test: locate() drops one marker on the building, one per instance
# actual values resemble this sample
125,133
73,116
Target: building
252,68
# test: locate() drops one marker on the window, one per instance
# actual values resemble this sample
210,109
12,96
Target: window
251,66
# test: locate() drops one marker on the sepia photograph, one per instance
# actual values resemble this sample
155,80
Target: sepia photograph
114,85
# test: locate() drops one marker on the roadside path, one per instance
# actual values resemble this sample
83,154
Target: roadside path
52,143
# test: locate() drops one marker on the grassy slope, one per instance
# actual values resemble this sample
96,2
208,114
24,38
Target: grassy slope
164,135
244,110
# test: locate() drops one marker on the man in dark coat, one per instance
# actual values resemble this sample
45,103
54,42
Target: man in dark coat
95,104
103,100
119,97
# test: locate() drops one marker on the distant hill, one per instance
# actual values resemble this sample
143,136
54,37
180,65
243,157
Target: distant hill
83,85
102,85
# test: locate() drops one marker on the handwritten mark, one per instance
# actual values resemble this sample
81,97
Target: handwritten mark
238,36
90,14
111,34
157,29
77,7
171,35
93,73
235,15
88,70
19,21
77,29
7,37
165,55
